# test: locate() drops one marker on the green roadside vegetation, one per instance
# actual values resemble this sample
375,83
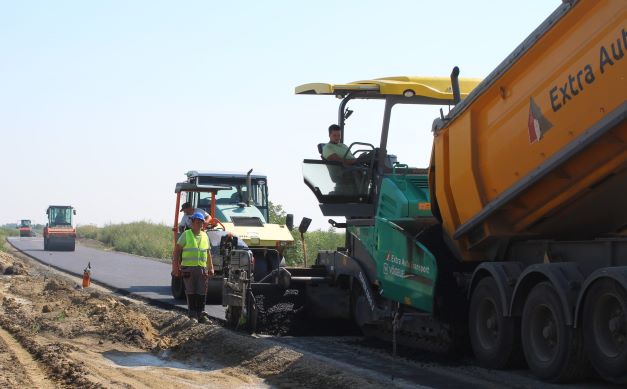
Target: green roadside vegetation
155,240
314,240
7,231
140,238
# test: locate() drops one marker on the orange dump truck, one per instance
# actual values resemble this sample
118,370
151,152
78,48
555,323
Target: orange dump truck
528,178
516,240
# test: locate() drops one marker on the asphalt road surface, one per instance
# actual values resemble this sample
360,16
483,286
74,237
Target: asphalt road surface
136,276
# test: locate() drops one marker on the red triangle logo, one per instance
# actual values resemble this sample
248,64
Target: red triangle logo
537,124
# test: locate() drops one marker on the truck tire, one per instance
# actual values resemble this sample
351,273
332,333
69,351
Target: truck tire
553,350
177,287
495,339
605,329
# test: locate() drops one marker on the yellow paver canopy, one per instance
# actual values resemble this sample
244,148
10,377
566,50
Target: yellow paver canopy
429,87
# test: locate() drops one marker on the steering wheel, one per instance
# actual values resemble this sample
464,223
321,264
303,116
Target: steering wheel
365,156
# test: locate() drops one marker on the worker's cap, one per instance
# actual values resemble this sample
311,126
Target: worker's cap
185,206
198,215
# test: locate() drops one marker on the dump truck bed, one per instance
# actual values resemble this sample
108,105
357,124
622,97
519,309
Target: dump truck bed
539,149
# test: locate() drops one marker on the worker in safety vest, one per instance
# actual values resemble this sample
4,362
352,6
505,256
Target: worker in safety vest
192,253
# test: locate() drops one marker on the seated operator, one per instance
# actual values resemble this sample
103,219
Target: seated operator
186,220
348,180
60,219
336,151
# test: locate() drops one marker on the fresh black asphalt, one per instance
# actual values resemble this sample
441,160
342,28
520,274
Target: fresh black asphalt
136,276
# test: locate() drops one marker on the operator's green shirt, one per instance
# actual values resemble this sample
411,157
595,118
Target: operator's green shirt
339,149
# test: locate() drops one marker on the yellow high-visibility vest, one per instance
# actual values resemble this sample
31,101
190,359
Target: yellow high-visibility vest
194,252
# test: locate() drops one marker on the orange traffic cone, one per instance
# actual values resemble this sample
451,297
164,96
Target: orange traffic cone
87,275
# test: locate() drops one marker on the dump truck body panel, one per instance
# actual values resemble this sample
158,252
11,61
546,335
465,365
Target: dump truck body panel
542,138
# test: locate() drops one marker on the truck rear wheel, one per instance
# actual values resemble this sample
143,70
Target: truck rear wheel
553,350
495,338
605,329
177,287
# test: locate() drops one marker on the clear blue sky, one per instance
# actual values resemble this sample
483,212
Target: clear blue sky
104,105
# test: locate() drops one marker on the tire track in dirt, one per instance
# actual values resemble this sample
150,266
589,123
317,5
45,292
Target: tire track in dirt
26,372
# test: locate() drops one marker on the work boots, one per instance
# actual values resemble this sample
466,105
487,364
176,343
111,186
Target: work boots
203,318
200,309
191,306
196,308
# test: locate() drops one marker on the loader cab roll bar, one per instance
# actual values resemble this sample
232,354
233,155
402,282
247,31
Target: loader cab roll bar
356,196
187,187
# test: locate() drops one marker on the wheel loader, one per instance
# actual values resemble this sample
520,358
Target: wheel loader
237,205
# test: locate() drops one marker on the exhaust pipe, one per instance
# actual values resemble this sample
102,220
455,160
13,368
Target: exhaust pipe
455,84
249,187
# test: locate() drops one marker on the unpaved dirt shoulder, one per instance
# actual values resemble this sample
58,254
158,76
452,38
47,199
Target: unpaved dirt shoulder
75,336
24,371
